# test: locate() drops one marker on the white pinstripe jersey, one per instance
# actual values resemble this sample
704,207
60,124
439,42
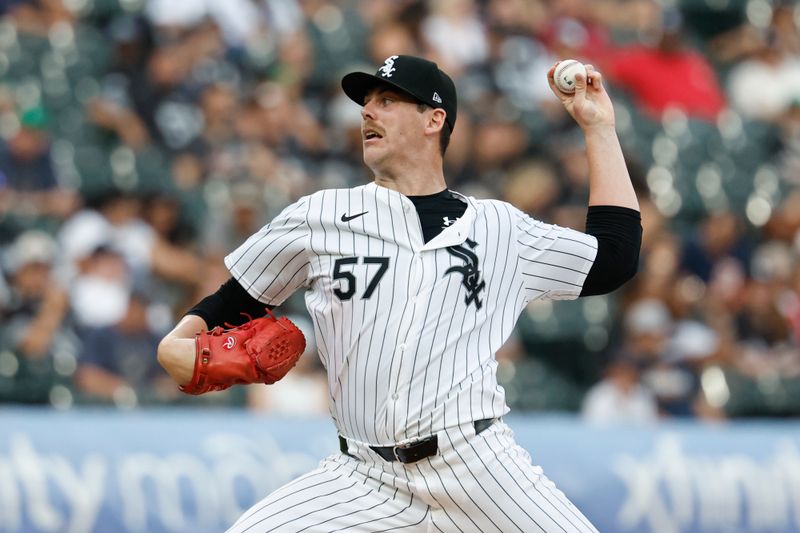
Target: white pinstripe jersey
407,330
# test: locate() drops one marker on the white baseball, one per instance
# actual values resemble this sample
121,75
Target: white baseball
565,72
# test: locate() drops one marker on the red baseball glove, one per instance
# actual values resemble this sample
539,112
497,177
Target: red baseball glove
262,350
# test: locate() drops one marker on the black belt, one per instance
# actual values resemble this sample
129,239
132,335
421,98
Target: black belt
415,451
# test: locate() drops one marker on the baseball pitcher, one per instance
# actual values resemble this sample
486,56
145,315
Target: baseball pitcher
412,289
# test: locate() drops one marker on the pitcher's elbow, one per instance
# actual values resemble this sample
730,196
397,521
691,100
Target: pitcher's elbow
163,354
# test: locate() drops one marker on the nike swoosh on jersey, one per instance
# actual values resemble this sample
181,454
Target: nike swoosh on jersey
346,218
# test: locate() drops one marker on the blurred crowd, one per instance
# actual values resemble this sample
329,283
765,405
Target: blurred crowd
141,141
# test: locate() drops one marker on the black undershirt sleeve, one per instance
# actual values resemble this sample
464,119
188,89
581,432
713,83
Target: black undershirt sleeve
619,237
230,304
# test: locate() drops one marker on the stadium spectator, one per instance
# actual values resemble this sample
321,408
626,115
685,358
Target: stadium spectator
35,328
669,74
455,34
115,221
391,38
574,30
718,237
235,220
25,158
751,95
100,290
114,364
28,182
533,187
648,329
620,398
789,156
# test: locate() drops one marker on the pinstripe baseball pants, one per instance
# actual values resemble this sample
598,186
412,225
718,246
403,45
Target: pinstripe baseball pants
476,483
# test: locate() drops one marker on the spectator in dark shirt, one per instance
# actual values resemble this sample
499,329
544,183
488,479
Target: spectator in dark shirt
27,178
25,157
34,325
115,364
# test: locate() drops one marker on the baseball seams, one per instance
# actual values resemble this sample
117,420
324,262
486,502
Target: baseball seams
564,75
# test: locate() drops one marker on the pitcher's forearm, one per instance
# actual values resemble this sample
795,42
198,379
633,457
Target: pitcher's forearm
609,181
176,351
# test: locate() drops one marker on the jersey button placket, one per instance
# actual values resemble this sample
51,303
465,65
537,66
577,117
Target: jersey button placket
406,333
417,303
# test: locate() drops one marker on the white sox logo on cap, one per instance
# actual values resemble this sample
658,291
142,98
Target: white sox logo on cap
415,76
388,67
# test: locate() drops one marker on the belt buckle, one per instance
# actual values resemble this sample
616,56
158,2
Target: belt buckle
403,446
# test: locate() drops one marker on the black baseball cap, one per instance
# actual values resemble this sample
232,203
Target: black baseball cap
415,76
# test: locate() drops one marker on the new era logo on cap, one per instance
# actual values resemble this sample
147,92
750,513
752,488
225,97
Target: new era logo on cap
415,76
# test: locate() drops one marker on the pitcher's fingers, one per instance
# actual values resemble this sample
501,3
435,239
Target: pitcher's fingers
551,73
589,74
581,87
551,80
595,79
551,77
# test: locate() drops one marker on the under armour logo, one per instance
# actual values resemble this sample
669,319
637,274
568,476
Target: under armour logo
471,275
437,98
446,221
229,343
388,67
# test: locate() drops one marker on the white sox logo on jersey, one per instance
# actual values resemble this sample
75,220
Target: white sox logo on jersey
388,67
471,275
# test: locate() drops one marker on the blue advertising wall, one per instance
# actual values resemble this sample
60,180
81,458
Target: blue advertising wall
196,471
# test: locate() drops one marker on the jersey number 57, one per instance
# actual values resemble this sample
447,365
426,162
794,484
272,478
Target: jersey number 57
347,287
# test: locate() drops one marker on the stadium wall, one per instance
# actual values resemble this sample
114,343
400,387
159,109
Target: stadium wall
197,470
